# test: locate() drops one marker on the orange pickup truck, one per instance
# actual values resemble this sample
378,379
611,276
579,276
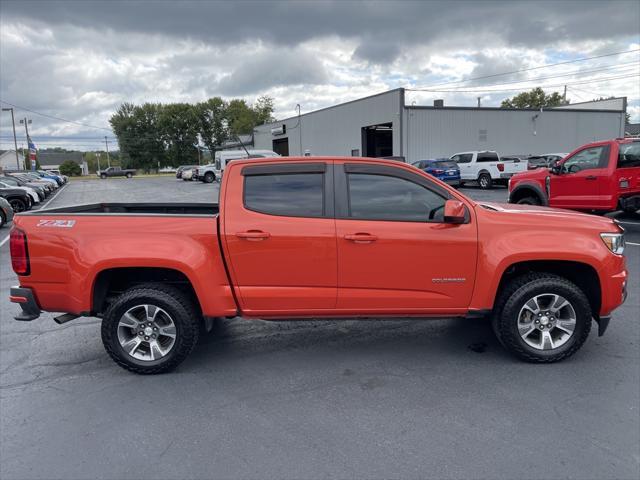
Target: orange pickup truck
319,238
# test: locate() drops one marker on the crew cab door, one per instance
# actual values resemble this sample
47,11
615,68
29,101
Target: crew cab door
466,165
395,252
578,184
279,234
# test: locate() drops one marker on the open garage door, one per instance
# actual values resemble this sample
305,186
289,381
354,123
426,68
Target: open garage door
377,140
281,146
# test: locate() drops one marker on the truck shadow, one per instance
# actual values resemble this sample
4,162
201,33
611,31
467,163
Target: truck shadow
241,339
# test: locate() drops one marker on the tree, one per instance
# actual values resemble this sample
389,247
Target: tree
263,110
535,98
72,169
211,117
179,127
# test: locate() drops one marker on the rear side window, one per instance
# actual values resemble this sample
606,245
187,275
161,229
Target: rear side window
288,194
629,155
487,157
381,197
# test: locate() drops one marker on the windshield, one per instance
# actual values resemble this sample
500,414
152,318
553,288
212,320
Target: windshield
445,164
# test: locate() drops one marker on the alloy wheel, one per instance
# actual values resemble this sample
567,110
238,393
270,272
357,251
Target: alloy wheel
546,321
146,332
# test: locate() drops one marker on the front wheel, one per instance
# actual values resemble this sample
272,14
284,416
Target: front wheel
129,175
150,328
542,318
485,182
209,177
103,176
529,201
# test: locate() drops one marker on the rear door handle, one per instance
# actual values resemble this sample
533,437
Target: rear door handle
591,177
253,235
361,237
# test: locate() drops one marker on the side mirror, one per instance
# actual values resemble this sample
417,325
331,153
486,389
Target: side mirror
454,211
556,168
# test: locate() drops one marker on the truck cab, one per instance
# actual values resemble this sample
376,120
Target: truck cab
214,171
486,168
600,176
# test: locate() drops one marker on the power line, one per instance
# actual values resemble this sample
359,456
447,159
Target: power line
540,67
54,117
479,89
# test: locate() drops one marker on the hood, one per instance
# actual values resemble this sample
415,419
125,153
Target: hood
551,215
538,173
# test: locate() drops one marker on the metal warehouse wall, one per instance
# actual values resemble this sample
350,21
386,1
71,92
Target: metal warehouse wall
337,130
440,132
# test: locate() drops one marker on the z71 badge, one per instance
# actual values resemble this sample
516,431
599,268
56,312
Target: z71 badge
56,223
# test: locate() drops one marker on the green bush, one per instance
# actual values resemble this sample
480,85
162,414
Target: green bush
71,169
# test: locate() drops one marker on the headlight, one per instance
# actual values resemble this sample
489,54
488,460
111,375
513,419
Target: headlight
614,242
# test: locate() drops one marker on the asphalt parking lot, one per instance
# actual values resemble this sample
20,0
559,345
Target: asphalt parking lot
359,399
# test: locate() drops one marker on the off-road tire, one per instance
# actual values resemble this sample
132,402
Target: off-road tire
209,177
484,181
521,289
531,200
176,303
3,219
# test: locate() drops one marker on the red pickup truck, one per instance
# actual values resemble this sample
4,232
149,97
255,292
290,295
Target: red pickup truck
319,238
600,177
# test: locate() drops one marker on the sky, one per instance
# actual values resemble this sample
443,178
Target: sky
79,60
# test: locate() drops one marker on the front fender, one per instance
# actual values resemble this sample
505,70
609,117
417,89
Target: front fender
534,187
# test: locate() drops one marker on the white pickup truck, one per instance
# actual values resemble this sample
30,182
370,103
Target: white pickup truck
214,171
486,168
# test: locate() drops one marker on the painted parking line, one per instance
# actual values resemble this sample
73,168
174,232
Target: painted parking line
6,239
634,244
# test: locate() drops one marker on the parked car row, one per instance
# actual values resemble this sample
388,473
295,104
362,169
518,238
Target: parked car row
214,171
24,189
6,212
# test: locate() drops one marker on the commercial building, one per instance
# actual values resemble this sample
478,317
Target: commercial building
8,160
53,160
383,125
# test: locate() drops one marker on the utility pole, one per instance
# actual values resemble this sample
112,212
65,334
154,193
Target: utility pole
479,101
98,159
106,144
564,96
15,142
299,108
26,121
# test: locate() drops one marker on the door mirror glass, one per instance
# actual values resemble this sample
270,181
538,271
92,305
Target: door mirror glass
454,211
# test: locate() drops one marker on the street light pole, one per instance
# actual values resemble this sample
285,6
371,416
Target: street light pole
106,144
26,131
15,142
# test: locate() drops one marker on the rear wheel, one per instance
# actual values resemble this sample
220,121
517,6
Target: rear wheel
485,182
103,176
209,177
150,328
18,205
3,219
531,200
542,318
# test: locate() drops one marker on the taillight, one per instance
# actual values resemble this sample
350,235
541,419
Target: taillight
501,167
19,252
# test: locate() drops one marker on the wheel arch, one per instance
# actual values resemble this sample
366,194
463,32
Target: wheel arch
582,274
112,281
528,189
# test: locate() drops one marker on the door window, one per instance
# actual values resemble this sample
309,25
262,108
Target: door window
288,194
629,155
462,158
382,197
587,159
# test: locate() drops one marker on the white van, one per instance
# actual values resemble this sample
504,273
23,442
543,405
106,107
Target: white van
214,171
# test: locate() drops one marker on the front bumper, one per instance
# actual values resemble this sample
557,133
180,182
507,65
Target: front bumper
25,298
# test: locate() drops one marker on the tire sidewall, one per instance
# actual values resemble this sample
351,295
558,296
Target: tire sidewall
209,177
509,318
178,314
528,201
487,184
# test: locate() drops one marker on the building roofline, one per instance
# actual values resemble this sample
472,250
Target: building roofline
594,101
428,107
330,107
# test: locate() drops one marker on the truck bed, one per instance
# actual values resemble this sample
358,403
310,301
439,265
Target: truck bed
134,209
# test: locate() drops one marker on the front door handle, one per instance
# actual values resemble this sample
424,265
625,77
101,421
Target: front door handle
591,177
253,235
361,237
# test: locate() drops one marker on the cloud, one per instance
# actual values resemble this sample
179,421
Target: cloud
80,60
273,68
